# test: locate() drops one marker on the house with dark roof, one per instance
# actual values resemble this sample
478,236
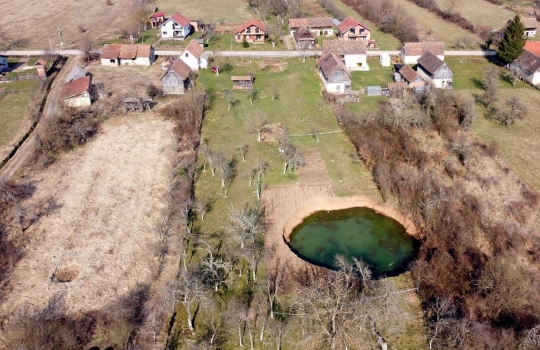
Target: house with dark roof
527,66
176,27
77,93
410,76
113,55
178,78
411,52
352,53
304,38
76,73
335,76
317,26
352,29
193,55
529,23
157,19
252,31
434,71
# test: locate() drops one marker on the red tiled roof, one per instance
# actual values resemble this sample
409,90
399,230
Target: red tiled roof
349,23
128,51
40,62
329,63
110,51
114,51
353,47
180,68
533,47
310,22
76,87
251,22
178,18
418,49
195,49
144,50
408,73
157,15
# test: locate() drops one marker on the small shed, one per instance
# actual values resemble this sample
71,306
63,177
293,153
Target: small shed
142,103
41,66
178,78
374,91
384,58
243,82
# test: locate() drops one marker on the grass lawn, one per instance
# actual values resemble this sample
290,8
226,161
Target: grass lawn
436,27
231,11
376,76
480,12
225,42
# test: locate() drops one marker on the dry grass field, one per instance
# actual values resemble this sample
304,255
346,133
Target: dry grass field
479,12
98,243
432,27
230,11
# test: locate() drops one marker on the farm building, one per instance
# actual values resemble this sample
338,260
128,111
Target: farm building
178,78
317,26
411,52
434,71
3,63
244,82
193,56
527,66
530,24
157,19
304,39
76,73
41,67
384,58
410,76
176,27
251,31
352,29
114,55
353,53
333,73
141,103
76,93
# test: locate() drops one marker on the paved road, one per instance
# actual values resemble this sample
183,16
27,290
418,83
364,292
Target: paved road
248,54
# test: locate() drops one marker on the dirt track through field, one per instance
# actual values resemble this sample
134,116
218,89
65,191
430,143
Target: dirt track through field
108,196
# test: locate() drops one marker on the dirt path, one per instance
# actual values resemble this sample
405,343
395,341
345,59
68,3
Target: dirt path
108,196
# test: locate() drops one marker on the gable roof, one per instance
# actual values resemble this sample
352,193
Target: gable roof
528,62
329,63
110,51
430,62
195,49
303,31
408,73
180,68
251,22
418,49
76,87
533,47
310,22
76,73
179,19
349,23
128,51
341,47
114,51
529,22
157,15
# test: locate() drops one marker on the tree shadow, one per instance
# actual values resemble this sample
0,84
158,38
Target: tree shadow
478,83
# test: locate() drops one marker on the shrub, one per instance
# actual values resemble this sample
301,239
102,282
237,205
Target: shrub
153,91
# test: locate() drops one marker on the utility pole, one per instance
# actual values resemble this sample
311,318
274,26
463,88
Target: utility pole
60,34
50,44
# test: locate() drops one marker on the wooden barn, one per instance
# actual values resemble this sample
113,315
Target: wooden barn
434,71
333,73
304,38
178,78
244,82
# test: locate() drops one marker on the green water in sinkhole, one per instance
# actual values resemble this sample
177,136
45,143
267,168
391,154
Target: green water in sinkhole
359,233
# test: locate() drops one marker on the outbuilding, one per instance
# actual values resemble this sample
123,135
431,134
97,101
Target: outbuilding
178,78
333,73
244,82
77,93
434,71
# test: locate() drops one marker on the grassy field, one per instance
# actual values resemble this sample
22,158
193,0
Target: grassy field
435,28
376,76
225,42
479,12
233,11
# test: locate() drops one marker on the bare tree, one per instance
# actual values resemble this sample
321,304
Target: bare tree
442,310
227,171
203,205
275,276
191,293
231,99
245,225
257,123
252,95
217,270
491,86
275,93
531,340
242,148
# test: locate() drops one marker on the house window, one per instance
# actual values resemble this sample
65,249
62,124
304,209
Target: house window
164,33
351,31
187,55
359,64
325,32
256,30
113,61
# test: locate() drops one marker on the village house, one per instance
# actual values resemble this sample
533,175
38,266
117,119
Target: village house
411,52
194,56
333,73
76,93
527,66
178,78
352,29
176,27
243,82
353,53
76,73
434,71
529,23
157,19
304,38
251,31
317,26
410,76
113,55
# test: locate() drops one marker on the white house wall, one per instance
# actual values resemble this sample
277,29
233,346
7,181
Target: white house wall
107,62
78,101
333,88
356,62
167,30
535,78
414,59
190,60
143,61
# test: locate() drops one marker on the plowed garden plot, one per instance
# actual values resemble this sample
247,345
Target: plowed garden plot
98,243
